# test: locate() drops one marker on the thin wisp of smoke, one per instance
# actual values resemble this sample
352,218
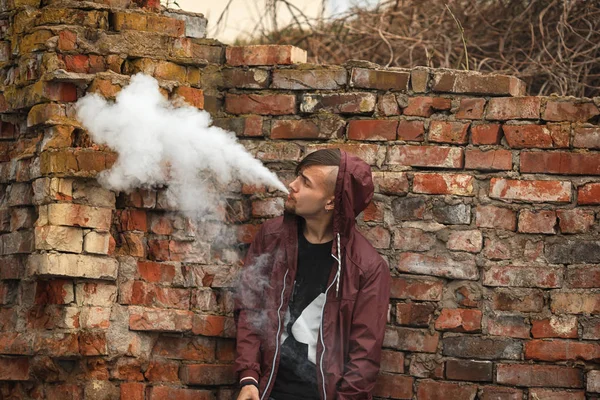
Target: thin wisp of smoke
159,143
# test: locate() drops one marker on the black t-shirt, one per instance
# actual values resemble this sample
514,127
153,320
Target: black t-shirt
297,375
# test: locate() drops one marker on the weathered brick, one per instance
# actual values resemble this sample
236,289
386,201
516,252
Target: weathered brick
561,350
20,242
426,106
55,291
419,79
207,374
583,276
251,78
394,386
586,137
149,319
431,390
560,162
448,132
372,129
531,375
562,250
593,381
523,276
537,221
68,214
426,366
14,369
452,214
477,83
250,126
387,105
378,79
176,393
132,390
194,97
411,130
500,393
415,314
277,151
415,288
557,110
468,370
589,194
494,160
530,191
72,265
525,300
548,394
378,236
303,79
213,325
196,348
426,156
264,55
263,104
514,326
61,238
410,339
557,326
96,242
575,303
438,266
329,128
470,108
471,241
452,184
340,103
483,134
505,108
390,182
495,217
459,320
412,239
575,220
482,348
528,136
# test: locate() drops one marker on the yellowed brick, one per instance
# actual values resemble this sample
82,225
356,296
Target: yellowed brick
72,265
96,242
47,113
47,190
60,238
66,214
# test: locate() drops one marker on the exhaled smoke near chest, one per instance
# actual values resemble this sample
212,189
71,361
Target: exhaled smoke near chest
161,144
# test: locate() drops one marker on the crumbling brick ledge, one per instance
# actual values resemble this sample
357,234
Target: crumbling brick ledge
486,209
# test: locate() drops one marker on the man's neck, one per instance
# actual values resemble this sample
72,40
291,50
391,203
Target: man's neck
318,230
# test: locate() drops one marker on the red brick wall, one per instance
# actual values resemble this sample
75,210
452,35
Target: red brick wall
486,208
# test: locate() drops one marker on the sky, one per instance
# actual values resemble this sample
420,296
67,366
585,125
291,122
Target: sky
244,14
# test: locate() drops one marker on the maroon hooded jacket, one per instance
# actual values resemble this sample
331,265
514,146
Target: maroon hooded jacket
356,306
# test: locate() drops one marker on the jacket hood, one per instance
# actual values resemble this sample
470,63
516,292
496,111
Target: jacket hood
353,192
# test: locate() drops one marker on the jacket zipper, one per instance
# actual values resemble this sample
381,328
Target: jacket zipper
336,280
277,339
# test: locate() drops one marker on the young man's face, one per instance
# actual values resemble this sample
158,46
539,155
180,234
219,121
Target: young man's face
312,192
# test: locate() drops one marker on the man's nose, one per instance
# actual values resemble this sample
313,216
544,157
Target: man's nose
293,184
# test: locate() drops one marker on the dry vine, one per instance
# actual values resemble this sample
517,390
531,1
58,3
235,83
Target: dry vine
553,45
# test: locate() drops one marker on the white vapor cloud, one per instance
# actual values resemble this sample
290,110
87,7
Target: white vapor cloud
159,143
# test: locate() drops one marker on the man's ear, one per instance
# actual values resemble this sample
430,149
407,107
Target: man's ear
330,203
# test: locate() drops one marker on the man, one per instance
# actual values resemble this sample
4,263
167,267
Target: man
313,301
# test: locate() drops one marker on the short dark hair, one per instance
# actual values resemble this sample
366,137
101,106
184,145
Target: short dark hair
331,157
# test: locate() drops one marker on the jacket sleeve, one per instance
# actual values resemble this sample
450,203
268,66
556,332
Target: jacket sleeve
247,309
366,336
